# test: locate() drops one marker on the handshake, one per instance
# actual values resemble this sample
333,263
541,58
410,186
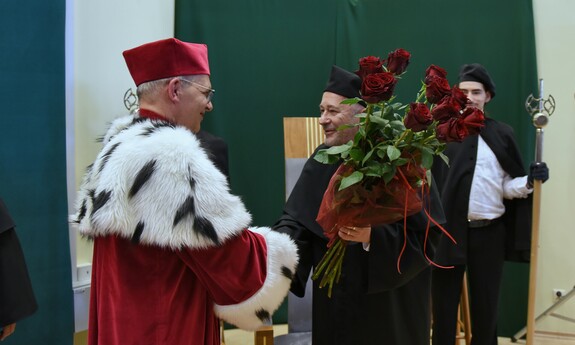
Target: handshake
537,171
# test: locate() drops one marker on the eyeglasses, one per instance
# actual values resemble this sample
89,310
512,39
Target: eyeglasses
211,92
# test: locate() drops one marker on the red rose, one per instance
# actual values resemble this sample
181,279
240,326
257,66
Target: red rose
452,130
473,119
436,89
435,71
378,87
447,109
369,65
418,117
459,96
397,61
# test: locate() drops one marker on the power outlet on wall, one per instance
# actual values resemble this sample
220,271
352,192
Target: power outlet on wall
84,272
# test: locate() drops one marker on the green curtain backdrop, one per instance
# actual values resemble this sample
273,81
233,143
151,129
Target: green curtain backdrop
270,59
33,161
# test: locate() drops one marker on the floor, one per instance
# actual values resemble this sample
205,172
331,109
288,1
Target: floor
239,337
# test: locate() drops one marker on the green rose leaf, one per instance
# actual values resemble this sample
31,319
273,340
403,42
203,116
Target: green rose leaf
444,158
401,161
350,180
426,158
367,156
335,150
387,111
378,120
351,100
389,174
393,153
428,177
356,154
398,125
381,151
321,156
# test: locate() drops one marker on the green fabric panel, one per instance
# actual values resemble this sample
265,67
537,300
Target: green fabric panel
271,59
265,65
33,160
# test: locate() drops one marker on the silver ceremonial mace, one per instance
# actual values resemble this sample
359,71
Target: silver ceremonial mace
540,117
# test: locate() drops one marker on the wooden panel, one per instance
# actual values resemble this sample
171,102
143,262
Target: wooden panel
301,136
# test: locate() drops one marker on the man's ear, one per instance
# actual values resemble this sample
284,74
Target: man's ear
173,89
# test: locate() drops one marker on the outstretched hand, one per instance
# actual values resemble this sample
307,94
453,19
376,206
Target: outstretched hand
537,171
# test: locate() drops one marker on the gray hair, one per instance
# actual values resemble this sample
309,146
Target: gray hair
151,88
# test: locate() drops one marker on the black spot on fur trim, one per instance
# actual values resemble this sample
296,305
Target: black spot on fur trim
106,156
138,119
100,200
287,273
191,180
142,177
186,209
154,126
82,212
263,315
138,233
206,228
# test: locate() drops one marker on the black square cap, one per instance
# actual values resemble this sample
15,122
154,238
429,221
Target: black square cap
478,73
343,83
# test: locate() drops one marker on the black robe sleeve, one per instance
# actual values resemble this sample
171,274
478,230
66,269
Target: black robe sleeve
16,295
217,150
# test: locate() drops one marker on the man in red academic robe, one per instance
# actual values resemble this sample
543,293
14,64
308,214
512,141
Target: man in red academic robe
172,248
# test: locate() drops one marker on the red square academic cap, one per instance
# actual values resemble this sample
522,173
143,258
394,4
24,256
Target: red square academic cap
166,58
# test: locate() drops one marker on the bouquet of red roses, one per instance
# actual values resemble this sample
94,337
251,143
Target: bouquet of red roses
385,169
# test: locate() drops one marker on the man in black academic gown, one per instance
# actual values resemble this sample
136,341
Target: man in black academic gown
486,197
217,150
17,299
372,303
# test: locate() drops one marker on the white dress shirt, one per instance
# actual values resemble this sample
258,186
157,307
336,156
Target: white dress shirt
491,184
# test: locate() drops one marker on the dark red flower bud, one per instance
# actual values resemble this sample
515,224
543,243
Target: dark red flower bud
434,71
452,130
446,110
473,119
397,61
436,89
378,87
458,96
418,117
369,65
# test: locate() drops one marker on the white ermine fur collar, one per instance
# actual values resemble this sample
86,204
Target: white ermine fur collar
153,183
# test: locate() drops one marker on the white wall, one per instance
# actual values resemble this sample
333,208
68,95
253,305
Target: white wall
555,32
96,78
102,30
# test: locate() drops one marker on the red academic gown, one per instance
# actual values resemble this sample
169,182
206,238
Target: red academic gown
160,296
172,248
